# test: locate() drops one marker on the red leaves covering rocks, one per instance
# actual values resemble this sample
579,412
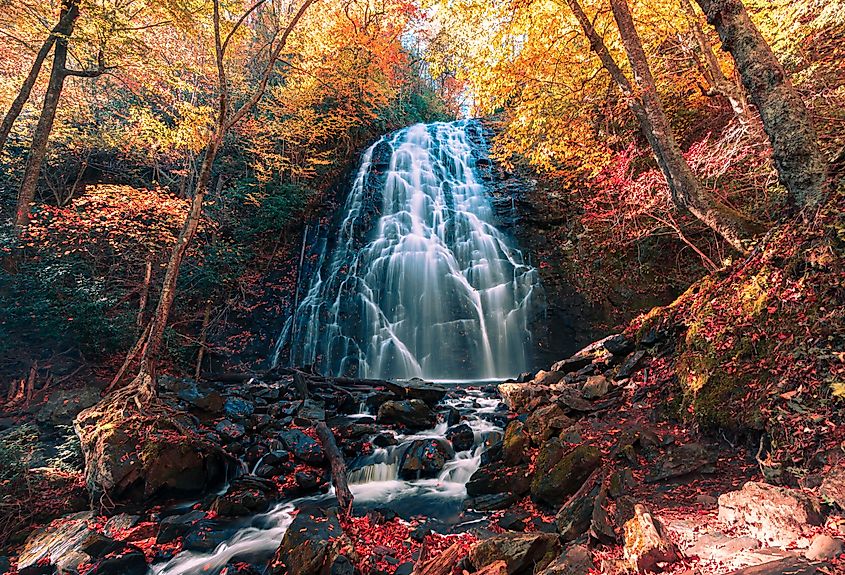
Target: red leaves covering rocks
374,542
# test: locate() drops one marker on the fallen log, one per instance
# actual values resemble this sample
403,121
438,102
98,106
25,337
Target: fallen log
338,466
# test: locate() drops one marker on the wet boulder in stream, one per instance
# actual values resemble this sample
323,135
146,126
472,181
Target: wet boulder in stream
412,413
310,545
461,436
302,446
416,388
425,458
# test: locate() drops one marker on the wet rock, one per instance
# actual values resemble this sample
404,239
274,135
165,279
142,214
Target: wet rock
546,422
245,496
230,431
119,523
238,408
412,413
522,552
596,386
630,365
832,487
518,396
204,399
384,440
461,436
560,475
682,460
417,389
646,542
302,446
575,560
490,502
823,548
493,452
130,561
425,458
176,526
776,516
453,417
306,481
497,478
618,344
50,546
515,443
133,457
312,410
309,546
206,535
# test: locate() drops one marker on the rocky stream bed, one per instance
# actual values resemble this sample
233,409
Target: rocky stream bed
570,471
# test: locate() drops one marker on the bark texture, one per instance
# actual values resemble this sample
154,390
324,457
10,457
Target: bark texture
799,160
644,102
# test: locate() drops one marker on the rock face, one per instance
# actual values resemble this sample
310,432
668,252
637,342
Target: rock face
425,458
412,413
134,457
522,552
560,475
646,542
774,515
309,546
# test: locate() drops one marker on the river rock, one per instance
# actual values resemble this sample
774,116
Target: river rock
129,456
490,502
425,458
303,447
461,436
416,388
176,526
515,443
202,398
497,478
518,396
238,408
523,552
546,422
776,516
245,496
229,430
309,546
412,413
558,477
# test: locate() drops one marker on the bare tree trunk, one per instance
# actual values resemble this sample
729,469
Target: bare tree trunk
38,149
799,160
338,466
145,290
206,319
644,102
26,89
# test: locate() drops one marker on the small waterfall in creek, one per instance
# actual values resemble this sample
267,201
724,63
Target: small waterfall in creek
419,283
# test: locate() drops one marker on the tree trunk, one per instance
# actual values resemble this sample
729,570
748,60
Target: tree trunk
26,89
799,160
38,149
338,466
149,359
684,188
719,83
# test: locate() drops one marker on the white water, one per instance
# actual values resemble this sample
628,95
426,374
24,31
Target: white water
430,289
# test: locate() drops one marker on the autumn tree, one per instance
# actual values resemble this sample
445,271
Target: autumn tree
800,162
148,347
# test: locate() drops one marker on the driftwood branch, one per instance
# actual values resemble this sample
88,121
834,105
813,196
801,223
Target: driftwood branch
338,466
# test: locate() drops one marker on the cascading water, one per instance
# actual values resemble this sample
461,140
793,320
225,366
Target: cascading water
420,282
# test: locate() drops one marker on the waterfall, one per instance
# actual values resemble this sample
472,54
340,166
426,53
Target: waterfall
419,282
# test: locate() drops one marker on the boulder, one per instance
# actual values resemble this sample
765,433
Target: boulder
618,345
682,460
490,502
425,458
245,496
303,447
548,378
823,548
309,546
630,365
130,456
62,405
312,410
497,478
595,387
546,422
522,552
174,526
558,477
832,488
776,516
575,560
515,443
229,430
461,436
204,399
412,413
518,396
237,408
572,364
416,388
646,542
575,515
